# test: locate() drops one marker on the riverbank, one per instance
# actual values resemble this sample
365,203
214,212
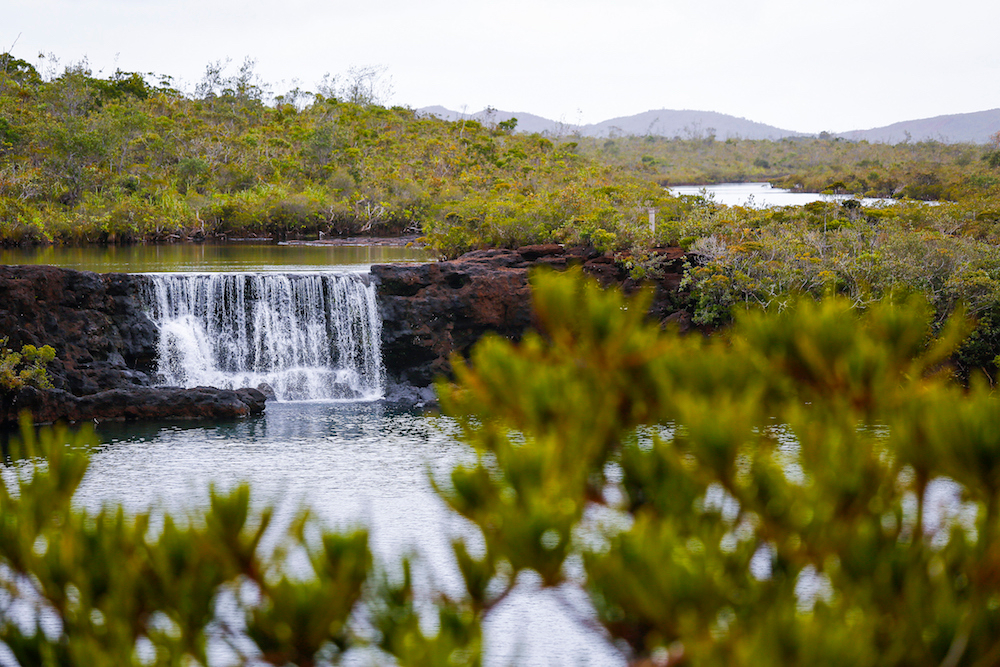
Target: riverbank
212,257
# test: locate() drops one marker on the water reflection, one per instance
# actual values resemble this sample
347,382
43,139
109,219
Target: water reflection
207,257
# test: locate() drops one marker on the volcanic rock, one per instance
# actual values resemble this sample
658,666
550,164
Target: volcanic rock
430,311
134,403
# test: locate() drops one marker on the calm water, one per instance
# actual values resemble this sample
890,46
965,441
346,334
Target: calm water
352,463
762,195
201,257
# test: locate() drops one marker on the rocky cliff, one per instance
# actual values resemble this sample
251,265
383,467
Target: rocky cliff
106,345
102,337
431,310
104,341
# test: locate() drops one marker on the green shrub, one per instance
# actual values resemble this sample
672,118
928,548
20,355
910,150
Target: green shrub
24,368
112,581
761,497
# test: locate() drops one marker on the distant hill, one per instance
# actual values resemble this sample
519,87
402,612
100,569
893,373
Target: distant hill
526,122
686,124
974,128
664,123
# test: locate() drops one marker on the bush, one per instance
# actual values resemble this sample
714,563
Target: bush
766,497
24,368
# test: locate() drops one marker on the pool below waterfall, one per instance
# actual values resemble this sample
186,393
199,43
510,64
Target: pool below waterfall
310,331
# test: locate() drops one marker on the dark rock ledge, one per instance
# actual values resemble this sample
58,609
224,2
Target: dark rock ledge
432,310
136,403
105,351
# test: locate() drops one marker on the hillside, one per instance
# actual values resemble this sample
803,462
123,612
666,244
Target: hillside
526,122
976,128
686,124
88,159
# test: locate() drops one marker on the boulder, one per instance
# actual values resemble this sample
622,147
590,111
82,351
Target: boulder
133,403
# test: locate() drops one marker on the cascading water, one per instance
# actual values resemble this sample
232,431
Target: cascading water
310,336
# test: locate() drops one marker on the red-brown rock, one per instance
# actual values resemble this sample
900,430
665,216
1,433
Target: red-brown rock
430,311
102,337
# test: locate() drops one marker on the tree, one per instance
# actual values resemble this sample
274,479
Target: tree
20,71
365,86
245,87
992,155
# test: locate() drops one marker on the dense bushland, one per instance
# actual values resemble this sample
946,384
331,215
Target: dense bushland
117,159
741,258
809,487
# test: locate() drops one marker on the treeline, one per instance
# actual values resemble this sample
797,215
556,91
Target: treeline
121,160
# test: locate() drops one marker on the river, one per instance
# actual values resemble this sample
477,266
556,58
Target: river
762,195
353,462
208,257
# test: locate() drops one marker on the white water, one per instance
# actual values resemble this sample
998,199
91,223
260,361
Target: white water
310,336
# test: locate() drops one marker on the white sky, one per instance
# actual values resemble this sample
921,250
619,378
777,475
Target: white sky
804,65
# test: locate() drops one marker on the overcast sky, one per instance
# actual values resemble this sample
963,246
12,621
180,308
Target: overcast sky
801,65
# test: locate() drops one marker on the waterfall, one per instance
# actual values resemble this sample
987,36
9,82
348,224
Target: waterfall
310,336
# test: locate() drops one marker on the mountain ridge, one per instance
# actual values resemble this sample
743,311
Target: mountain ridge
974,127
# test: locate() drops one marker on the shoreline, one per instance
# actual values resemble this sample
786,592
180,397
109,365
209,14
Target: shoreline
412,240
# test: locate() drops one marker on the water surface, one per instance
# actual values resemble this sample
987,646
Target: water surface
209,257
762,195
352,463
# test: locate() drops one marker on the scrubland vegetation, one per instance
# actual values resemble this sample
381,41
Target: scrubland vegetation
121,160
927,170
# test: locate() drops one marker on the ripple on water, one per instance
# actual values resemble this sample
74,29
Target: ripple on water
352,464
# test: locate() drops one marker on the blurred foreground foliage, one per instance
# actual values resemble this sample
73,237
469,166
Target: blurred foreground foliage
809,487
104,588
